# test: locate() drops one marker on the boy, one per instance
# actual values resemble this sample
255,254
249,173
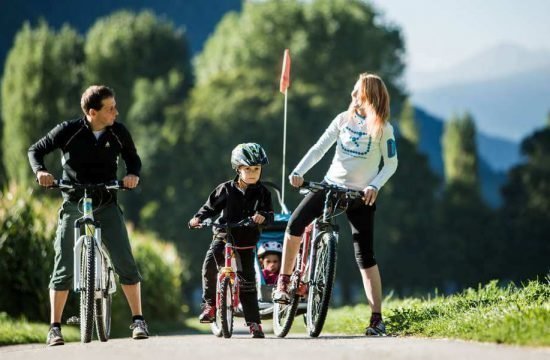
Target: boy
242,197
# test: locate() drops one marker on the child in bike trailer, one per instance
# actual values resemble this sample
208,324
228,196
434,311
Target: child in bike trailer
269,254
235,200
363,137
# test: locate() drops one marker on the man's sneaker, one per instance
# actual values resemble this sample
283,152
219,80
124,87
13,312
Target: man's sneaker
55,337
256,331
139,329
208,314
280,294
376,328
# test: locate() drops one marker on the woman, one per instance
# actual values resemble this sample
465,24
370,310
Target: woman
363,136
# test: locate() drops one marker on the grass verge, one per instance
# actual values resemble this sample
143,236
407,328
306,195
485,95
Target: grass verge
510,315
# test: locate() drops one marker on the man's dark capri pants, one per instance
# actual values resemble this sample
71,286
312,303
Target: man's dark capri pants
113,234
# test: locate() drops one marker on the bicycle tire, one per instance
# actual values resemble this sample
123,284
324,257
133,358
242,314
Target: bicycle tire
87,294
103,306
216,325
321,288
283,314
227,310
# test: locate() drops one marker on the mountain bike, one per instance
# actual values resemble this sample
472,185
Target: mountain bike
94,274
315,268
228,282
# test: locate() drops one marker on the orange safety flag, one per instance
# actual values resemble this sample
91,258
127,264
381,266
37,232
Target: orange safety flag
285,74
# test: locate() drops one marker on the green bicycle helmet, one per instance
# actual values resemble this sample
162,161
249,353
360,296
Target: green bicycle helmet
248,154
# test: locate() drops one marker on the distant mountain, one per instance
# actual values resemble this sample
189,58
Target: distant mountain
496,62
510,107
198,17
489,148
506,88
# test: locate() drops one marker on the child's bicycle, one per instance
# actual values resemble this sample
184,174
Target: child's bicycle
93,271
313,274
227,287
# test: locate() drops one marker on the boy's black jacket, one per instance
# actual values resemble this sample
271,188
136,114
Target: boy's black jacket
234,206
85,159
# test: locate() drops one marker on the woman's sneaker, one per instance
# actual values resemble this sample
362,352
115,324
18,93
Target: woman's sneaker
376,328
280,294
55,337
256,331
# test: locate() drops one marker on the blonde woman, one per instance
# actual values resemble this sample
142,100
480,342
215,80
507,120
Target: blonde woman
363,137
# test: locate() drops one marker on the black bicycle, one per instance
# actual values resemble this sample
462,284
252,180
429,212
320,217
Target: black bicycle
315,268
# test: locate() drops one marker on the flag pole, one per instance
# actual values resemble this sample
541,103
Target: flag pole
284,148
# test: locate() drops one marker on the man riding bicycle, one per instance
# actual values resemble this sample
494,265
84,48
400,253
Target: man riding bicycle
90,149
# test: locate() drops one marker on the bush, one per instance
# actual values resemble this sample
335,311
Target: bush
27,228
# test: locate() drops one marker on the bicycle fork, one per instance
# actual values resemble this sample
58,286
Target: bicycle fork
104,275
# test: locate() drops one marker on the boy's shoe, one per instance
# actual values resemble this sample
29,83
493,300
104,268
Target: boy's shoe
256,331
376,328
139,330
55,337
280,294
208,314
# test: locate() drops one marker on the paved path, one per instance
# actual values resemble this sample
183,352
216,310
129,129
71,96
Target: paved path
208,347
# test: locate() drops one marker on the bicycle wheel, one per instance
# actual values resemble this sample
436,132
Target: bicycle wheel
320,287
216,326
283,314
87,293
226,305
103,309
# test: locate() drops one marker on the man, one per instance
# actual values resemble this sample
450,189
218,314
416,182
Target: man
90,149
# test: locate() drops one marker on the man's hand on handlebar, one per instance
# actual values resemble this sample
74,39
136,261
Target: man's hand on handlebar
296,180
195,223
44,178
130,181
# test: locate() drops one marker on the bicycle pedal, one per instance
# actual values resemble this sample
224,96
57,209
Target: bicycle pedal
73,320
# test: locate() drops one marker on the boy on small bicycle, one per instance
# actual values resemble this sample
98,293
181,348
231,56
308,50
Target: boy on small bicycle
245,196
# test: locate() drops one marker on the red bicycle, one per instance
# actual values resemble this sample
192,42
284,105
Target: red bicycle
227,287
315,268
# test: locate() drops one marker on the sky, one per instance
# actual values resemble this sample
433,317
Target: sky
439,34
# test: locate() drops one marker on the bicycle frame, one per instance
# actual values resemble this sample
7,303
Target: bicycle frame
229,270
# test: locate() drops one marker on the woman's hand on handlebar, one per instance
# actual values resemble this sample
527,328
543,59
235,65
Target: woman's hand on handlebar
296,180
130,181
370,195
44,178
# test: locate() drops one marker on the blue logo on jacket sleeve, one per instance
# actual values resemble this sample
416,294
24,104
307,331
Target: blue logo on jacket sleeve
392,150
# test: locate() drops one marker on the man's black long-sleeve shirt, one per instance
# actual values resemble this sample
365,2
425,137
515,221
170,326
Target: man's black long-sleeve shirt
235,205
85,159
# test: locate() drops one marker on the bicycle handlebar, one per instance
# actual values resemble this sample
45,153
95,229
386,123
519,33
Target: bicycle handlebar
314,186
247,222
110,185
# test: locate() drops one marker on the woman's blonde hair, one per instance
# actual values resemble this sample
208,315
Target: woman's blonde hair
373,91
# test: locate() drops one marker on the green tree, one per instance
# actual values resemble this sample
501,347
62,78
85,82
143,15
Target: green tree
468,232
125,47
147,62
41,87
408,127
526,210
460,152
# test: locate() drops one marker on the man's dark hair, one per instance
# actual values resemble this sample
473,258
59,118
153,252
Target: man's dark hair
93,96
